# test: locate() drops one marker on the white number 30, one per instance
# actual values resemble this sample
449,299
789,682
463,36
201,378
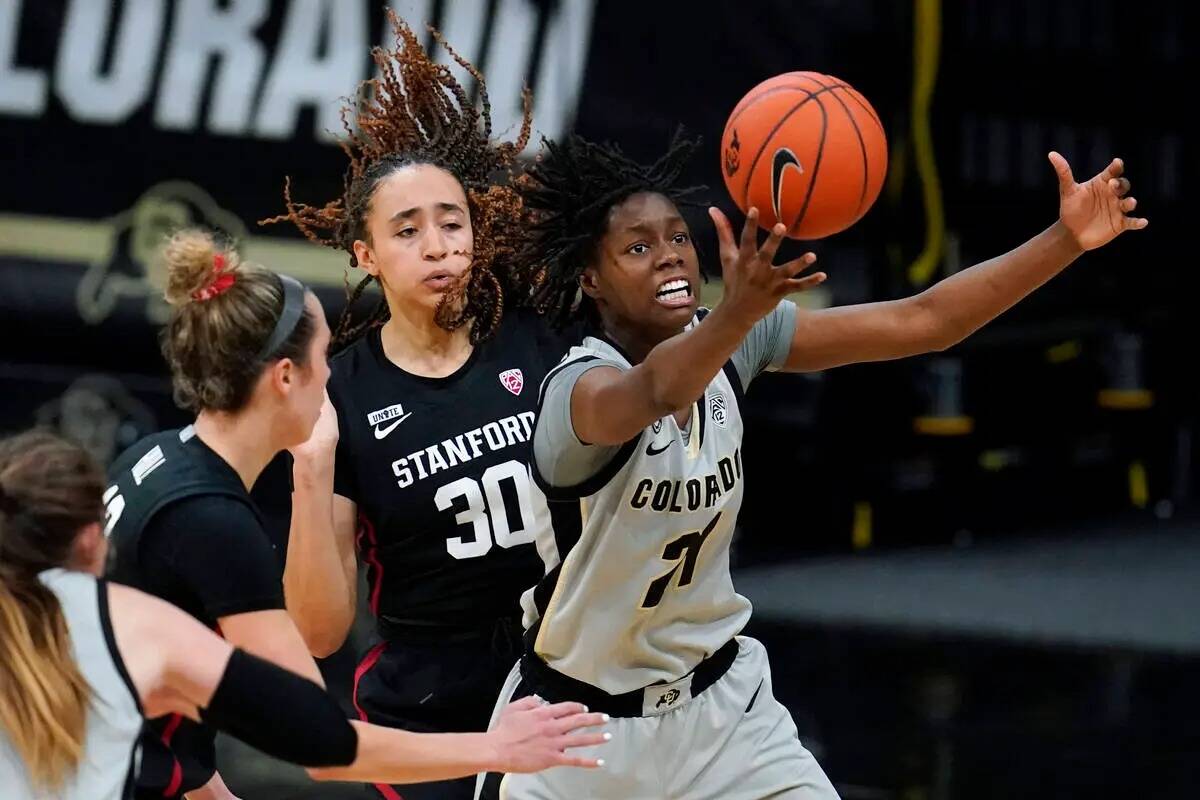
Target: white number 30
489,519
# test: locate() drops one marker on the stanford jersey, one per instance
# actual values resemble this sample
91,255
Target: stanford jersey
183,528
438,469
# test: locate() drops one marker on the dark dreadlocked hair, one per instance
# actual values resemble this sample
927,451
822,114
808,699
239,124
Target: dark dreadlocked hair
568,193
417,113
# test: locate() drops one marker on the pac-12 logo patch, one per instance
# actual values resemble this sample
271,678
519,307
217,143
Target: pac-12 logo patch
720,414
513,380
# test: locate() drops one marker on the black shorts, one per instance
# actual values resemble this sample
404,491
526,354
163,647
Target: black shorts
178,756
428,681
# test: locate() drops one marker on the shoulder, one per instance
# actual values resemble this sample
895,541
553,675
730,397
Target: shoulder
138,450
352,359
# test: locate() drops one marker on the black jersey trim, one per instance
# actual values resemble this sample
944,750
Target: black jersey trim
593,484
735,381
597,481
111,640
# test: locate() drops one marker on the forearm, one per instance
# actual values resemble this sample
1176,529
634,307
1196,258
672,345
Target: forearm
969,299
319,578
387,755
215,789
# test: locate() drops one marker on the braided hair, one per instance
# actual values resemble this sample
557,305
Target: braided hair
416,112
569,192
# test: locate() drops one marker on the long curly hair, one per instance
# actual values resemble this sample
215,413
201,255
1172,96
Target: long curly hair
416,112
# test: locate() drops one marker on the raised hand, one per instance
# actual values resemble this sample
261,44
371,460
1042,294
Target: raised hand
531,736
316,455
753,284
1095,212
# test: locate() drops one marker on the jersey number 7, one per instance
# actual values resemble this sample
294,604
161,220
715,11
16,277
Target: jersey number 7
684,550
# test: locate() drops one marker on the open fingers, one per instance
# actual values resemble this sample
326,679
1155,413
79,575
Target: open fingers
797,265
565,760
563,725
794,285
1061,168
560,710
1119,186
1115,169
724,230
771,245
750,234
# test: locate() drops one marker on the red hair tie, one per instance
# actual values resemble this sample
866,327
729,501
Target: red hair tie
220,284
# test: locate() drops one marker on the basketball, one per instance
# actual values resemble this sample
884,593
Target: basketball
806,150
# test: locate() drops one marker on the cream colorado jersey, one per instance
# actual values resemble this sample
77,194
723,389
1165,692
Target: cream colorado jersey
637,587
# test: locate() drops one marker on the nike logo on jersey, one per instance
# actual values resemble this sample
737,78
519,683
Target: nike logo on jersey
393,413
380,433
651,450
783,159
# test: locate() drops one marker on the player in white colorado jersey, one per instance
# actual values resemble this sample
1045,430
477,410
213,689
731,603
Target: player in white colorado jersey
637,447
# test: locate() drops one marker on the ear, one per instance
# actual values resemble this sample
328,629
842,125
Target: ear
89,552
365,257
283,375
589,282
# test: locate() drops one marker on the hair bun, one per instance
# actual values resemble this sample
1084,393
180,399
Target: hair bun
194,263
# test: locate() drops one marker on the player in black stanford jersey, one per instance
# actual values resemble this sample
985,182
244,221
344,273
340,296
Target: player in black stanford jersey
424,464
246,349
638,443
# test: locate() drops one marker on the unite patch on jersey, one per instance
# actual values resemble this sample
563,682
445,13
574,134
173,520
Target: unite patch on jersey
384,414
153,459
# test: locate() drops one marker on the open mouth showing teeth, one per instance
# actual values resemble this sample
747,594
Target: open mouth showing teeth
674,290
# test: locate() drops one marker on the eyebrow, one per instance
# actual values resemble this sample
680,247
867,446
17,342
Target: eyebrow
409,213
644,227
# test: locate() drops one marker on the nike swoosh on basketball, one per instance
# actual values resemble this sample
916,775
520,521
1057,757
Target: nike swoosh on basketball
382,432
650,451
783,159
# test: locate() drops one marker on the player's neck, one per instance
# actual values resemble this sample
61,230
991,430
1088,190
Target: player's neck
417,344
238,439
634,341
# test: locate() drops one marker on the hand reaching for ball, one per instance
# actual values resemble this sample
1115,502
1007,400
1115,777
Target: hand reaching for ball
1095,212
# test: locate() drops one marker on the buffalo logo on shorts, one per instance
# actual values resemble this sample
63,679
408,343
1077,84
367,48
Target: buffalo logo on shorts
513,380
668,698
720,413
733,155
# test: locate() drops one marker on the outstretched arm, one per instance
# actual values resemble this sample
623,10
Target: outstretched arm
178,665
1091,214
610,406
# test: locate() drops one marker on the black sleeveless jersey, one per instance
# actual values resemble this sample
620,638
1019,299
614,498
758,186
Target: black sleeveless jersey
157,481
438,469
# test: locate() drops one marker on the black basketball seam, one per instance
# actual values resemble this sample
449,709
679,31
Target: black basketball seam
738,111
865,106
766,140
812,183
862,146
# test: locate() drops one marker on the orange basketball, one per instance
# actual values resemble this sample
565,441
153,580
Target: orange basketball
806,150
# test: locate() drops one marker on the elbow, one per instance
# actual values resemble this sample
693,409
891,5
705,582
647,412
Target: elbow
934,329
322,774
323,644
663,399
323,641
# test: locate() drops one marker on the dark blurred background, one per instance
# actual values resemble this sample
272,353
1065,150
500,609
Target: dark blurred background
978,572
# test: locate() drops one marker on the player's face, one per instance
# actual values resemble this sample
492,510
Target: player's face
647,274
306,398
420,235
